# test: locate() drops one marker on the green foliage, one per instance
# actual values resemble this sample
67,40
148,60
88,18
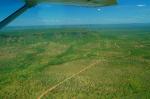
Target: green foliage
32,60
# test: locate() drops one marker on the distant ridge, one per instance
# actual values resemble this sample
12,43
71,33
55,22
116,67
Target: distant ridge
103,26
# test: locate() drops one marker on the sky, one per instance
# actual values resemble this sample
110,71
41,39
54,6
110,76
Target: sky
126,11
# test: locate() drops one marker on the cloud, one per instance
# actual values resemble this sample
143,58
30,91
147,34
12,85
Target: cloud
141,5
98,9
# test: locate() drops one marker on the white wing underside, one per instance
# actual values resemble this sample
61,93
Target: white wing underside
77,2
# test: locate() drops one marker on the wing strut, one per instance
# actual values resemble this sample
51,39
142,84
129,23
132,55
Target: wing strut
17,13
13,16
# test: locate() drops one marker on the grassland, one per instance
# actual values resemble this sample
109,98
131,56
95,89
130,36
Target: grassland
33,60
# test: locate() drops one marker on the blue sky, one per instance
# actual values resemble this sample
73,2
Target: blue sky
127,11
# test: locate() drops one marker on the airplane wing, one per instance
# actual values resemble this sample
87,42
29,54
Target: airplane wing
78,2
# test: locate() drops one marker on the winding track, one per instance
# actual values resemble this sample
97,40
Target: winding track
65,80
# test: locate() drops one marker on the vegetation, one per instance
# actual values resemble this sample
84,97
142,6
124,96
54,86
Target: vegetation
33,60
